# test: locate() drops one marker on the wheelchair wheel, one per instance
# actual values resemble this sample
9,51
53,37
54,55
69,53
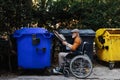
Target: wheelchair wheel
66,73
81,66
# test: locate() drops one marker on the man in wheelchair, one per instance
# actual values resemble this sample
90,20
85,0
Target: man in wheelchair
73,47
76,61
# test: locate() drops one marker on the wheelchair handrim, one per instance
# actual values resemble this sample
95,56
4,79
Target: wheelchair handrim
85,58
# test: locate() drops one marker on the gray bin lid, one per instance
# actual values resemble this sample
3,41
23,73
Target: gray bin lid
83,32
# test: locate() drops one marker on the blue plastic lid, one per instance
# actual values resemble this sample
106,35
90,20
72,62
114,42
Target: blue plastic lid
31,30
26,31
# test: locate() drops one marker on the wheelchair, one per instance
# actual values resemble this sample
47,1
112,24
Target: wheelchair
79,65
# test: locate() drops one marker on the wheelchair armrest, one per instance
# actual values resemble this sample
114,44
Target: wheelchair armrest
79,53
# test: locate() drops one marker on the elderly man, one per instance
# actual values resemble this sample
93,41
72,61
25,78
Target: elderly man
73,47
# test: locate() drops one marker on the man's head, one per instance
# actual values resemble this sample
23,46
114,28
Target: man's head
75,33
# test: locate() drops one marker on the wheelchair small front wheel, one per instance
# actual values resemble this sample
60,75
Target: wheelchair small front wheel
81,66
66,73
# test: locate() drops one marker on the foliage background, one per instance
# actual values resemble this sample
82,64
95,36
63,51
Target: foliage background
70,14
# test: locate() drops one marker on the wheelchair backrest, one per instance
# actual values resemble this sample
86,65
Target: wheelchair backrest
84,45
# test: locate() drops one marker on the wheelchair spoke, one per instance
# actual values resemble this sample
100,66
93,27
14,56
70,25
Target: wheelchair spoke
81,70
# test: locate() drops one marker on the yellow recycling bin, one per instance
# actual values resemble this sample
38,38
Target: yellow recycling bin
108,45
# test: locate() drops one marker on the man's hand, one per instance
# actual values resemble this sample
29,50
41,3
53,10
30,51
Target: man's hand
64,42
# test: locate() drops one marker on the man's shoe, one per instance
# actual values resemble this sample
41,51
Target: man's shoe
56,71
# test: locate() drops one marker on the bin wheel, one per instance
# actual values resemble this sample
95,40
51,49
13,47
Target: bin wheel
66,73
111,65
21,71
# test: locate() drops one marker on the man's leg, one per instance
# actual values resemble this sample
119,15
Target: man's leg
61,58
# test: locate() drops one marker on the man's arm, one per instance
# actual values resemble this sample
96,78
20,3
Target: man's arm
75,45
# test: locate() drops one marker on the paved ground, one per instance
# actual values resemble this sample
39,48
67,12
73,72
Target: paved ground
100,72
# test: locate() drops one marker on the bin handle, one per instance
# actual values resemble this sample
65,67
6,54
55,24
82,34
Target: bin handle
41,49
47,35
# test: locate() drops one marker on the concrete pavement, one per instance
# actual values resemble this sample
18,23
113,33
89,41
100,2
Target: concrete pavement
100,72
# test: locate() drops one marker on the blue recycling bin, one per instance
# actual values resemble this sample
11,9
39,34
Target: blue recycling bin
33,48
